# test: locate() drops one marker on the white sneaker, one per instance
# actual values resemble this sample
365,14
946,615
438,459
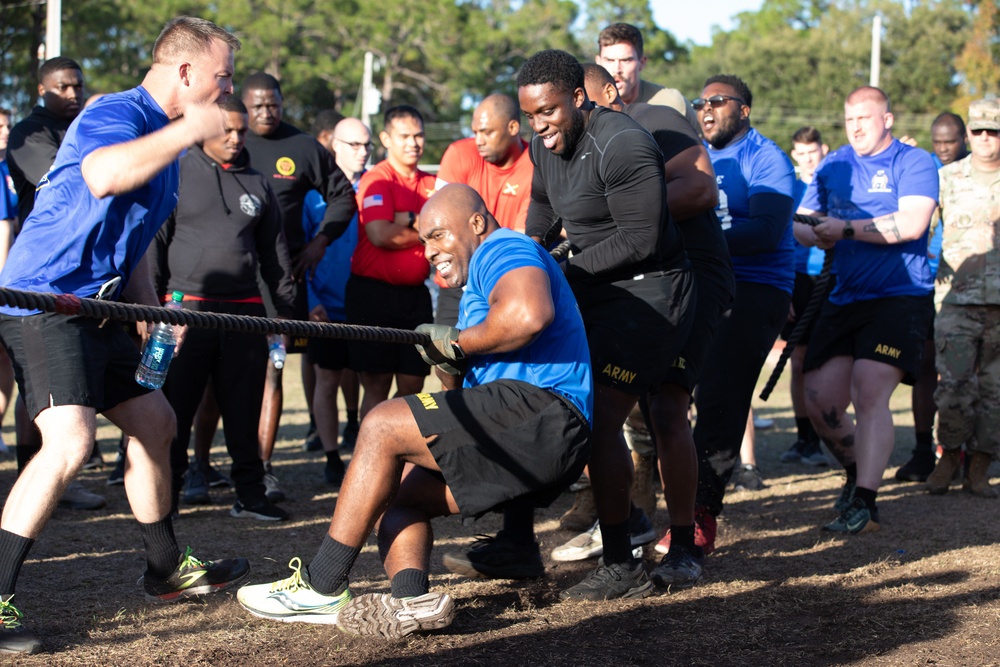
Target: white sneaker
588,544
292,599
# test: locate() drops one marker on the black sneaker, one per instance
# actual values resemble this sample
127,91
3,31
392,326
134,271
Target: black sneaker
812,454
262,510
334,471
196,484
194,577
497,558
117,476
312,443
350,437
680,568
216,479
612,582
918,468
794,453
856,519
846,496
748,478
14,637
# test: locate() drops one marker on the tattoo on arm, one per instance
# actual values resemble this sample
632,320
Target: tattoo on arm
886,226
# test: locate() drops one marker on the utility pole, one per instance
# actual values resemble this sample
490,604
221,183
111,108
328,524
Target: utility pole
53,28
371,97
876,51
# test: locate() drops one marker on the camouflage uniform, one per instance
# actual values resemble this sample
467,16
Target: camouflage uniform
967,329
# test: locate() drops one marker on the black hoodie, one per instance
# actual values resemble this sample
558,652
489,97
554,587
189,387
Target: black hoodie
31,152
226,225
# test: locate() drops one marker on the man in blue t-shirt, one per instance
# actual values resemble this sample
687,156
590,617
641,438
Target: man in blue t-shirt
875,198
516,428
113,184
755,180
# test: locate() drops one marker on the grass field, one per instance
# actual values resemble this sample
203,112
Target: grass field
778,591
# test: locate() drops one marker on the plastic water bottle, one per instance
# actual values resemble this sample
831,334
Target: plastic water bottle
276,350
159,350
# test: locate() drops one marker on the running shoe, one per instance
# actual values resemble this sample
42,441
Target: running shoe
794,453
75,497
196,484
846,495
680,568
272,486
705,529
497,558
918,468
748,478
14,637
856,519
590,543
813,454
193,577
293,600
262,510
393,618
612,582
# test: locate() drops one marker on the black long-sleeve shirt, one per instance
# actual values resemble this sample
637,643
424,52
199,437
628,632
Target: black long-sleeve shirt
31,151
226,224
294,163
610,196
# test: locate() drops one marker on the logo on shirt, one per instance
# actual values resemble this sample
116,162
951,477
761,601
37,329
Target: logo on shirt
249,204
371,200
285,166
880,182
584,156
511,188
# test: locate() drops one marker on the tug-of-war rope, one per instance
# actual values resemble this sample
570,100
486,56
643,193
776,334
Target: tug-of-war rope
816,300
68,304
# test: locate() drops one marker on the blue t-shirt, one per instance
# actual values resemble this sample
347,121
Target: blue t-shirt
558,359
748,166
807,260
8,194
72,243
327,285
850,187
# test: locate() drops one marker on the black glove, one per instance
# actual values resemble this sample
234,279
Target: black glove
444,351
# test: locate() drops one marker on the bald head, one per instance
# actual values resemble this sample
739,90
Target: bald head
453,224
600,86
497,130
869,94
351,144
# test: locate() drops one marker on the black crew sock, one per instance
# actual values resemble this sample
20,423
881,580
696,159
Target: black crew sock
866,495
13,550
682,536
805,429
162,552
925,441
852,472
312,423
333,458
328,570
409,583
519,523
617,545
352,417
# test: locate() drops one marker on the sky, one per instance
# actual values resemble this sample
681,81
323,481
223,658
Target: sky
693,21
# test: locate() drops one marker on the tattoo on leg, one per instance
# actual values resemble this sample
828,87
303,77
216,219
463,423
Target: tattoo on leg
831,418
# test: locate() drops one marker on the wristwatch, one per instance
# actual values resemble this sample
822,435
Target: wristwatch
848,230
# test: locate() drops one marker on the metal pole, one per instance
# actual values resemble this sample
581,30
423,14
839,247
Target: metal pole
53,29
366,85
876,51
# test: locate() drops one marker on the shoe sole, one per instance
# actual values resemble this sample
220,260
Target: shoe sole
247,514
392,618
275,497
659,580
637,593
195,591
457,565
319,619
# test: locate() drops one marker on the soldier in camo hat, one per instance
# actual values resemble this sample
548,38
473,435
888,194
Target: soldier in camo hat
967,330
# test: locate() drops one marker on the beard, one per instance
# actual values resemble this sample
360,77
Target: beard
572,136
725,132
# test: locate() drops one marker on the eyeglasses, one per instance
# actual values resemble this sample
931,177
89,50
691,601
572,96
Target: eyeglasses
992,133
357,145
713,101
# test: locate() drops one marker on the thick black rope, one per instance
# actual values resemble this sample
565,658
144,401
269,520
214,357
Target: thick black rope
816,300
127,312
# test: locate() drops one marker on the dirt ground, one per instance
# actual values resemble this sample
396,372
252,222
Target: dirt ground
778,591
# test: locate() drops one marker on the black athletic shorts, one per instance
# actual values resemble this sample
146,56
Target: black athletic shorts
501,441
713,297
891,330
374,303
447,306
636,327
70,360
805,284
330,354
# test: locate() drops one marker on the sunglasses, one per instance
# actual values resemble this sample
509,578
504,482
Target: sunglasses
713,101
992,133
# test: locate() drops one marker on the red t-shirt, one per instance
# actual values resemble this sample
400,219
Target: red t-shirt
506,192
382,193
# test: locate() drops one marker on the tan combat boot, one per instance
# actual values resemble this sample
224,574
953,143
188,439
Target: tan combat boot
643,493
582,515
978,481
940,479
